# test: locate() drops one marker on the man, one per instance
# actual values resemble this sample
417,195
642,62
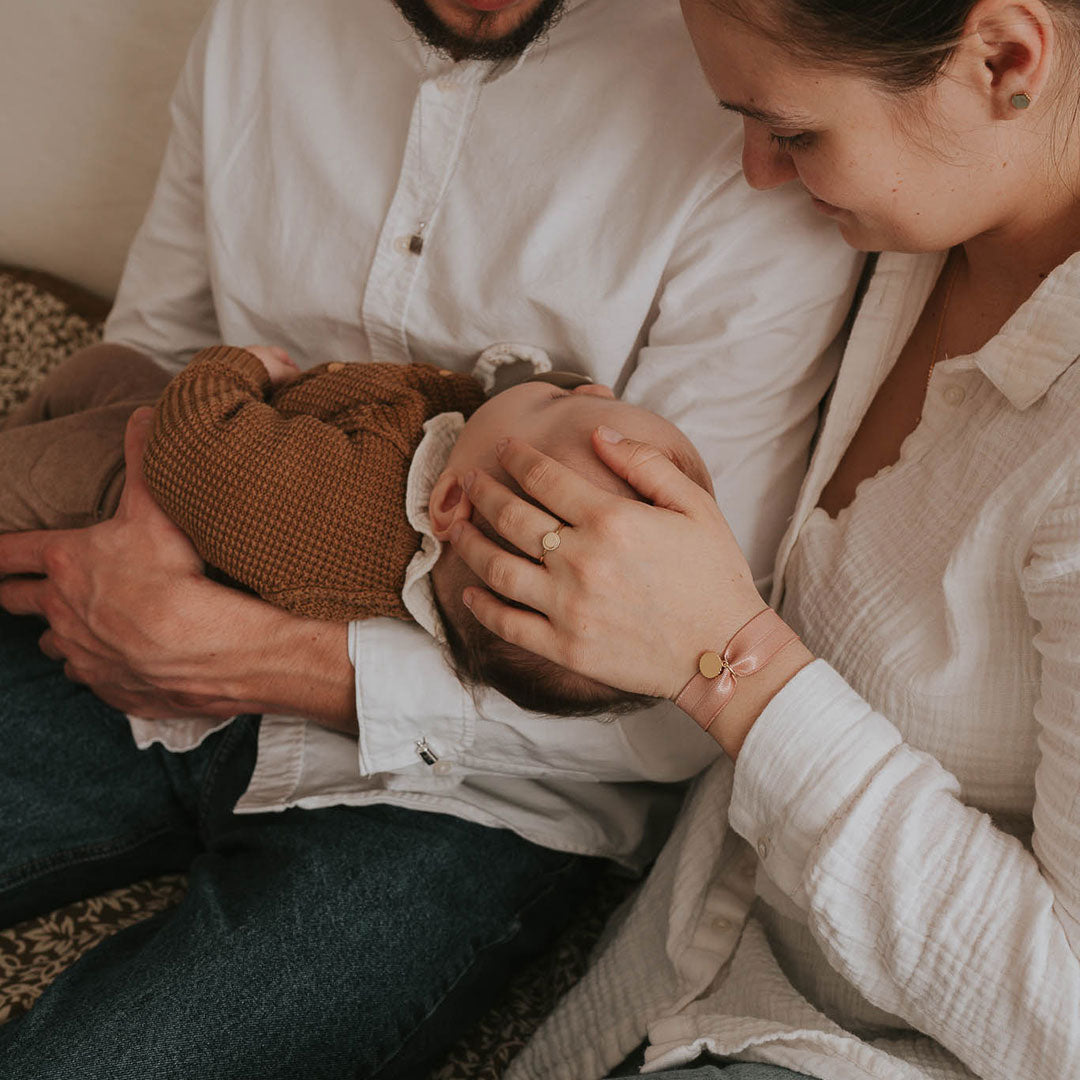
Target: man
371,859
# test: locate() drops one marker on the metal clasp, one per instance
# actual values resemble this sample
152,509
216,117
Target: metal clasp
425,753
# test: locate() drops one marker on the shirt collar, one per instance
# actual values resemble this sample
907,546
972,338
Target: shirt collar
1041,340
417,594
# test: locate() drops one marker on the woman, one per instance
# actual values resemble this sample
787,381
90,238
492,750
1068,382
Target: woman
906,778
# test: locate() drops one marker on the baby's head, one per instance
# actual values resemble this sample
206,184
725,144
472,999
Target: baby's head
559,422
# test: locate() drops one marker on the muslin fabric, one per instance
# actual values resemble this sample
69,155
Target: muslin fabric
887,884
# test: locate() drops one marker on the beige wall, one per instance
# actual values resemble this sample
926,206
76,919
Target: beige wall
84,88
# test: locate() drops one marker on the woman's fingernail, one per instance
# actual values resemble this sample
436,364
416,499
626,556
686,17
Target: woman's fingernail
467,598
455,532
500,446
609,434
470,478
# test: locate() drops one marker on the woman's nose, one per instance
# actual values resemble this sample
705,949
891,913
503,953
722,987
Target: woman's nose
765,165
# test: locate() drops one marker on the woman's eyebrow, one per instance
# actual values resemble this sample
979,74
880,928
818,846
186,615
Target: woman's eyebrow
767,116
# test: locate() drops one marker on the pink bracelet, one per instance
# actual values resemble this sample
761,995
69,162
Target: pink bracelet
751,647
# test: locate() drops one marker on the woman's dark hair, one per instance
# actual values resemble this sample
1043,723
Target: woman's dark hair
904,44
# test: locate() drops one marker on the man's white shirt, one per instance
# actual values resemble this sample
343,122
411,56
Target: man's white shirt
586,199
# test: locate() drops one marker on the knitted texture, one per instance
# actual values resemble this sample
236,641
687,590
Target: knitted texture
298,492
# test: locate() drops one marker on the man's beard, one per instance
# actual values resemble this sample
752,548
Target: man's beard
475,46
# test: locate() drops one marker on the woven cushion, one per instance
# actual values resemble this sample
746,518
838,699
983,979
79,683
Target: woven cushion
42,320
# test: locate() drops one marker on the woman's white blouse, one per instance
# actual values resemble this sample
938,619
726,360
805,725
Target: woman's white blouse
888,883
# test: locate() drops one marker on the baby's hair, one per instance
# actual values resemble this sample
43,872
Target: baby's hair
483,659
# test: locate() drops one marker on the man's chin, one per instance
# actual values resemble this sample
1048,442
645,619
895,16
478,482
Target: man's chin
465,33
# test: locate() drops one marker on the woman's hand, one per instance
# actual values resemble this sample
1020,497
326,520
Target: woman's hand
634,593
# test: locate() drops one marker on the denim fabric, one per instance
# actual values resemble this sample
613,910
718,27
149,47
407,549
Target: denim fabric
343,942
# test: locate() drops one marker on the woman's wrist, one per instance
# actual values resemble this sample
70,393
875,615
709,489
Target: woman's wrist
754,693
731,687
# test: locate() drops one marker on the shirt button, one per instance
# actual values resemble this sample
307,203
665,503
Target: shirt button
442,768
763,848
723,924
335,367
954,395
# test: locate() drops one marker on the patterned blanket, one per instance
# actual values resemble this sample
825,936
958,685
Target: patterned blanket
43,320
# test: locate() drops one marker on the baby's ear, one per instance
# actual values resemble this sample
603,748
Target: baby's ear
448,504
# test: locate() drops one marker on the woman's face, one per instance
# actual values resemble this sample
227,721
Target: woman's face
914,172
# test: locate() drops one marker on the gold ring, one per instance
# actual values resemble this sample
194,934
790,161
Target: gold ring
550,541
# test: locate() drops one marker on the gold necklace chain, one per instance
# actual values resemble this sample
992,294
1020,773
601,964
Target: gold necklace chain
953,272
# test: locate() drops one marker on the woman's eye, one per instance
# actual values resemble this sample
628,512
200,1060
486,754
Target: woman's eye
787,143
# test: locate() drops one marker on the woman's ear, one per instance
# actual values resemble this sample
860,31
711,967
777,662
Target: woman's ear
448,504
1015,41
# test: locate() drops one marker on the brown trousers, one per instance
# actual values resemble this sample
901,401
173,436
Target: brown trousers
62,450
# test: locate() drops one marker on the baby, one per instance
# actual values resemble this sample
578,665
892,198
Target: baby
328,492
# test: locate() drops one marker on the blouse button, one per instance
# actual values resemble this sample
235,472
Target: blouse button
763,848
954,395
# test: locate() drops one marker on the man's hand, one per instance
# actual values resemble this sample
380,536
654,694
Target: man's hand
132,616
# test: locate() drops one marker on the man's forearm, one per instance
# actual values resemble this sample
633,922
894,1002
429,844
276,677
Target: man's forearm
237,653
306,672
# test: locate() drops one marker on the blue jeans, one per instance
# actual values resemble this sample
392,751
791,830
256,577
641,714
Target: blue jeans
341,942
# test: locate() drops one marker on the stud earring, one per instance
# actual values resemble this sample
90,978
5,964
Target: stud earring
1020,101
